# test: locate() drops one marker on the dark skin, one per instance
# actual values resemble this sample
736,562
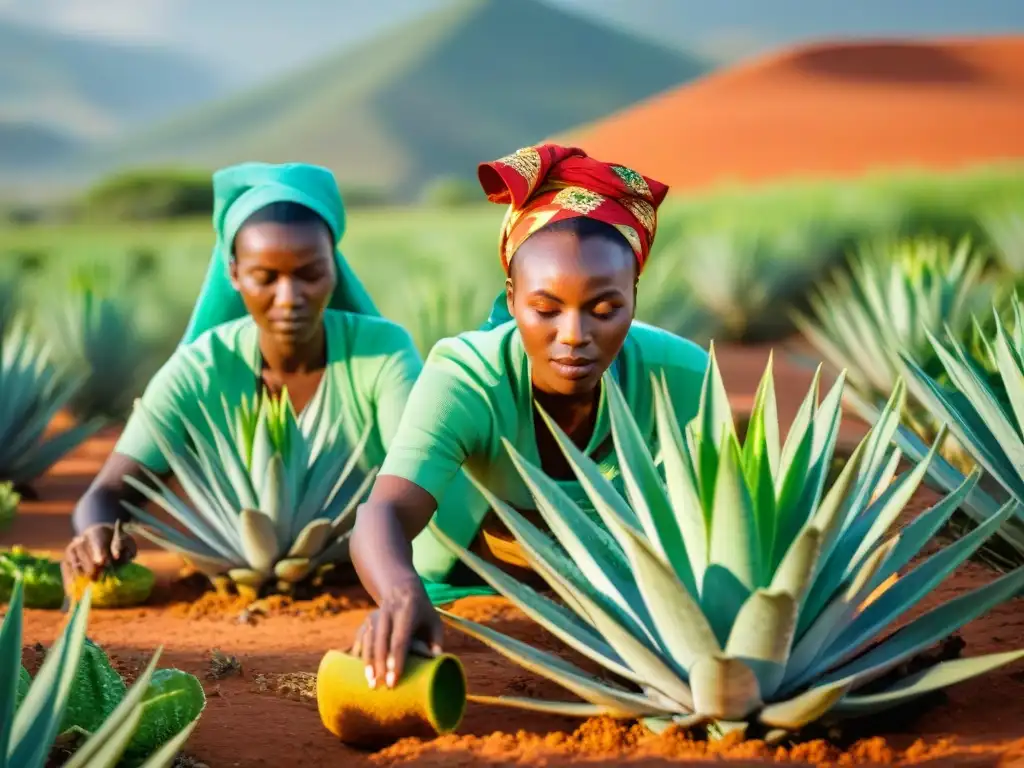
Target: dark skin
573,301
285,274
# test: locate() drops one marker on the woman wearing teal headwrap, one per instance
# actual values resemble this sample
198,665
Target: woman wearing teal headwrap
240,191
280,309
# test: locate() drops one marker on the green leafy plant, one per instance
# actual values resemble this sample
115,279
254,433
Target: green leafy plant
986,413
92,328
95,692
119,586
173,700
896,291
29,729
271,505
33,389
737,593
9,501
41,578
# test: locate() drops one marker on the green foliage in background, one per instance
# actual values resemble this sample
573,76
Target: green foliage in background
451,192
150,194
767,247
92,328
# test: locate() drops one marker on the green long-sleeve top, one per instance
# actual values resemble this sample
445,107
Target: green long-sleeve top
372,364
475,389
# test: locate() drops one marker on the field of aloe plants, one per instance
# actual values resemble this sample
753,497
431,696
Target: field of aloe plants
789,564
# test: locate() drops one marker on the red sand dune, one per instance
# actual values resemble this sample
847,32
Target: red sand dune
827,110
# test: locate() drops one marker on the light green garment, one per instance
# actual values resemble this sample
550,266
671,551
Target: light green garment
475,389
241,190
372,364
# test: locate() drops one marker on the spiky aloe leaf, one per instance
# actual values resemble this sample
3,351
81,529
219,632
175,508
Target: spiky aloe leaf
784,649
985,415
615,701
33,389
934,678
10,667
272,493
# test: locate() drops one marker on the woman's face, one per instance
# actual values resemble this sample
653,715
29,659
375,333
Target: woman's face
285,274
573,301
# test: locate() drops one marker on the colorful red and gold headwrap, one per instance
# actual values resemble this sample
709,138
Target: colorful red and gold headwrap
549,183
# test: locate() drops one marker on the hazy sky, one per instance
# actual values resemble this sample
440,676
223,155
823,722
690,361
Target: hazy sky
154,20
251,39
158,19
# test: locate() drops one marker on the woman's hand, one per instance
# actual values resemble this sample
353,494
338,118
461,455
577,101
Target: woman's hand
97,547
405,621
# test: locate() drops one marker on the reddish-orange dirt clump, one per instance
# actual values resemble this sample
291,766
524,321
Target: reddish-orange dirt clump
827,110
260,684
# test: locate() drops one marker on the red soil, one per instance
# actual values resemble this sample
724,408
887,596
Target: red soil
266,716
827,110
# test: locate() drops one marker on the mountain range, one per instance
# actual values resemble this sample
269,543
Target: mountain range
91,85
472,80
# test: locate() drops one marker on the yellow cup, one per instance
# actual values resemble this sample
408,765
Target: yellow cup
429,699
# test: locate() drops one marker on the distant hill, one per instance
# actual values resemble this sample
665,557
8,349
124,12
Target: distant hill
470,82
71,89
827,110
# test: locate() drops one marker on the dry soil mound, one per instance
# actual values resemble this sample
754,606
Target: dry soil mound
828,110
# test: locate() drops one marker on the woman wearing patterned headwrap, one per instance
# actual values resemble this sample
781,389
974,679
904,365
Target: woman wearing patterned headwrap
280,309
573,244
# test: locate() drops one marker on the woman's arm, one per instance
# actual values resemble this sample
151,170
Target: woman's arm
98,540
444,420
396,511
97,518
101,503
381,550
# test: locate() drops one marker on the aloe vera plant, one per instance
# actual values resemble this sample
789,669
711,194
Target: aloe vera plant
739,277
735,591
895,294
664,302
983,405
33,389
29,728
270,503
92,329
1005,228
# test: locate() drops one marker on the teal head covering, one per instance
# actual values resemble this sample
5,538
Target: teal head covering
241,190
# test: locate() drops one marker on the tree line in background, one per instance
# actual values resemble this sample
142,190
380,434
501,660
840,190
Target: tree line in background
164,194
